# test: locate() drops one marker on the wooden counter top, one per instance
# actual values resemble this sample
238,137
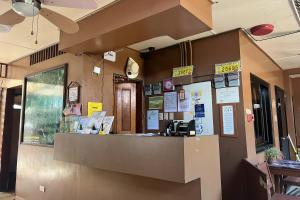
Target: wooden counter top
175,159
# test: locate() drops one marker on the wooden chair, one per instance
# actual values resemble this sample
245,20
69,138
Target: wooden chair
257,186
283,197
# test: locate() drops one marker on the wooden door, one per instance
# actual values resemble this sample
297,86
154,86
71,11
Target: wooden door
126,108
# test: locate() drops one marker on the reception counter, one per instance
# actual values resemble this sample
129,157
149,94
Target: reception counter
180,160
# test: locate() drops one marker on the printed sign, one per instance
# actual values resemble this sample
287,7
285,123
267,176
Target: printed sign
228,120
226,68
183,71
170,102
153,120
228,95
94,107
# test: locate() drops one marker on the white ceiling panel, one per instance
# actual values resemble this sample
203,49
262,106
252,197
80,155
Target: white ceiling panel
21,40
227,15
233,14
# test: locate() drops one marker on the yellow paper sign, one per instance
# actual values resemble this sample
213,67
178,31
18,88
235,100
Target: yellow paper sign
94,107
183,71
230,67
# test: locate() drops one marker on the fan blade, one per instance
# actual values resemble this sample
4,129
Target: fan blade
83,4
11,18
63,23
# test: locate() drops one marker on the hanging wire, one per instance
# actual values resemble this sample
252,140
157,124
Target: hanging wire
102,82
37,29
32,24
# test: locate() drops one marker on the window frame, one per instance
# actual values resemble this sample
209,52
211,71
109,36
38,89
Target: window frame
265,144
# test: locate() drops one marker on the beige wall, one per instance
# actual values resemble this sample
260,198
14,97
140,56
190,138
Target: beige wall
80,70
290,105
39,167
256,62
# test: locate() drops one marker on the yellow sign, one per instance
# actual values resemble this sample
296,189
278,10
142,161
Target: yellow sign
183,71
94,107
230,67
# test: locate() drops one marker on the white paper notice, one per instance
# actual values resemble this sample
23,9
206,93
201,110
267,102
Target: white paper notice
153,120
228,120
185,105
228,95
200,93
170,101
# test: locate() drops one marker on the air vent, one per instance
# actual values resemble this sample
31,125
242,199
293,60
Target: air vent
45,54
296,4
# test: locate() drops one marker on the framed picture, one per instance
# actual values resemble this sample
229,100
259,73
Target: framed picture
3,70
228,120
168,85
73,92
182,95
44,101
148,90
157,88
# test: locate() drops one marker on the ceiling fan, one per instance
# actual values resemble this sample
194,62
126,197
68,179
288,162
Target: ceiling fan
30,8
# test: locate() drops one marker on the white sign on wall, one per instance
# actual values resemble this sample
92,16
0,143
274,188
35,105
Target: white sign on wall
201,93
228,95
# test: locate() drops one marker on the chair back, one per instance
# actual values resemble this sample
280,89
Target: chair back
256,182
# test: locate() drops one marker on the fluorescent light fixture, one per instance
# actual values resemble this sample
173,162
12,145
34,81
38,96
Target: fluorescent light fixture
17,107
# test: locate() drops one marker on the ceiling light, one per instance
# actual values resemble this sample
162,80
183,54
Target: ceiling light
4,28
26,8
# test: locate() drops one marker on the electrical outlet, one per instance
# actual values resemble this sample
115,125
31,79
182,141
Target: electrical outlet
42,188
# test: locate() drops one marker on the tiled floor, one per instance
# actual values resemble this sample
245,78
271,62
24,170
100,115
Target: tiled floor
294,191
6,196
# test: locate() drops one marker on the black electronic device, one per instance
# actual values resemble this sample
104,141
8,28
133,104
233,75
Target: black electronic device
180,129
186,128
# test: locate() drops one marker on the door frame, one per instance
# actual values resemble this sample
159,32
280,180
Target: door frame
119,79
7,137
281,116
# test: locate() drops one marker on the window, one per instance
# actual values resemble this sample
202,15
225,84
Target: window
262,114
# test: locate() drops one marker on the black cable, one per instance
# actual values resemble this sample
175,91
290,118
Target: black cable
37,30
32,24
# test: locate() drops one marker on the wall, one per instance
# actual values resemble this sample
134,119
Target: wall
80,70
35,164
296,106
256,62
290,105
206,53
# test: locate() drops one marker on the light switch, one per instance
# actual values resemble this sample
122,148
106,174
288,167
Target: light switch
42,188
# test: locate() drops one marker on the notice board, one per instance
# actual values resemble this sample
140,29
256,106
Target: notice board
200,94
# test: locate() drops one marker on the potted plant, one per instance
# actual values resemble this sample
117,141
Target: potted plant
273,154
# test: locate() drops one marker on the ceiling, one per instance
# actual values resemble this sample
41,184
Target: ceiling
19,42
227,15
233,14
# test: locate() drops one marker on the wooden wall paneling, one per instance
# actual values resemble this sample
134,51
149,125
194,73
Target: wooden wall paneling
258,63
288,82
296,107
143,21
207,53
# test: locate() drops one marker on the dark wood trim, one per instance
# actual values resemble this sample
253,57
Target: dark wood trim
65,66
